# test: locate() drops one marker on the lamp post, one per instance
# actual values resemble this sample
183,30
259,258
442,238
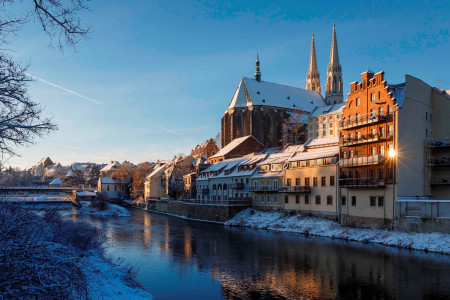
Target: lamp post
392,156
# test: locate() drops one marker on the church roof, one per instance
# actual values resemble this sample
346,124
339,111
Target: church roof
327,110
273,94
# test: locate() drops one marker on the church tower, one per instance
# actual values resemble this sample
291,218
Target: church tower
334,86
313,76
257,71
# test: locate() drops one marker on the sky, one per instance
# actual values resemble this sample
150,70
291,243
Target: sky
155,77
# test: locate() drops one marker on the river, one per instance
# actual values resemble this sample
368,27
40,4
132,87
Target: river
181,259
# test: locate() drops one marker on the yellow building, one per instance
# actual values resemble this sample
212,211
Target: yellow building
310,181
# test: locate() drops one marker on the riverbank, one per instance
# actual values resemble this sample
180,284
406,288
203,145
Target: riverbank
276,221
108,280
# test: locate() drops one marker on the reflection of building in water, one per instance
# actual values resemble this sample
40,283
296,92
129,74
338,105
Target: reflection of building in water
147,229
187,243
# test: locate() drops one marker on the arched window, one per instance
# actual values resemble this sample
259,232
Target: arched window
214,187
219,187
225,186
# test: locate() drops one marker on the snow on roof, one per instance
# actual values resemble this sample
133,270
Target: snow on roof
399,91
233,144
315,153
111,167
322,141
274,94
281,156
157,169
107,180
56,181
327,110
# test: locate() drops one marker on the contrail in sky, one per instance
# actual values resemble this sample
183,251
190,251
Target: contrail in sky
63,88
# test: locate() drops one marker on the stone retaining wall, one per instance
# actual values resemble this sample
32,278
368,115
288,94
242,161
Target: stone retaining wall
205,212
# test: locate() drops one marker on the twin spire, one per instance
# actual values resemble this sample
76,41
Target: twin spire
334,85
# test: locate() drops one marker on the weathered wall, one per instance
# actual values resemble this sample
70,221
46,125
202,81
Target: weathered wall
206,212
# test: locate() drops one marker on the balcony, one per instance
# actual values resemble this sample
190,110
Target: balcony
361,161
440,143
237,185
296,189
440,180
264,188
363,182
440,161
363,120
370,138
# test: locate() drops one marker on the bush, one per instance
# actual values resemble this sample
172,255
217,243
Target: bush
41,255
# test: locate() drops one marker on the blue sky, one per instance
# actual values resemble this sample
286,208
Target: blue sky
164,72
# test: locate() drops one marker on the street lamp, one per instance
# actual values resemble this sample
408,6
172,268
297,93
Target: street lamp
392,156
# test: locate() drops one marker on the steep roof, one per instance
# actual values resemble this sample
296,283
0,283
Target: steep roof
398,91
274,94
233,144
322,142
327,110
56,181
107,180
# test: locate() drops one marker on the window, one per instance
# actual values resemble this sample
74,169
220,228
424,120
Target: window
307,181
268,198
372,97
382,150
256,185
288,182
331,180
380,201
275,185
344,155
297,181
344,200
275,199
374,151
331,132
358,101
426,116
306,199
323,181
372,112
373,200
286,199
262,199
329,200
318,199
351,153
297,199
358,118
262,183
431,117
381,111
314,181
353,200
358,136
246,180
390,129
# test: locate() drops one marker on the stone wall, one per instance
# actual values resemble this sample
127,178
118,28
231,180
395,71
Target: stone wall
205,212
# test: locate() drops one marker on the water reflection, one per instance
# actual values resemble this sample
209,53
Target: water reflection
179,259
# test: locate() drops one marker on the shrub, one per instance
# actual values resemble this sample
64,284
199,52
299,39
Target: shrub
41,255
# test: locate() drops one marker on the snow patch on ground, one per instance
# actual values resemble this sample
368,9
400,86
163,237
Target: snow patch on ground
110,281
112,210
434,242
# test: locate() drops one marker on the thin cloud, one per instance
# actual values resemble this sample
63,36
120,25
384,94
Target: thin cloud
63,88
173,132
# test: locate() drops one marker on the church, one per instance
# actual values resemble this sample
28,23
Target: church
262,108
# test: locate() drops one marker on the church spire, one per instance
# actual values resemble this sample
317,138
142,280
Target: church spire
257,71
334,85
313,76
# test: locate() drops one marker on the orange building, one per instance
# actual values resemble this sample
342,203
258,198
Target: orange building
366,138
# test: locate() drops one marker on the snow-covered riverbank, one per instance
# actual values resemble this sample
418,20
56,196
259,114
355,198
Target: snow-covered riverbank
111,281
434,242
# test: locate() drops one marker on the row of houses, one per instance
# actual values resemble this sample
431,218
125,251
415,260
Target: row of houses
384,152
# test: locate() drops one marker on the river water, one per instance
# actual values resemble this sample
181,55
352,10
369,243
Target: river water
181,259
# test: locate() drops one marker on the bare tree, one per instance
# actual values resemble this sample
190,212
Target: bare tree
139,174
218,139
294,128
21,119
